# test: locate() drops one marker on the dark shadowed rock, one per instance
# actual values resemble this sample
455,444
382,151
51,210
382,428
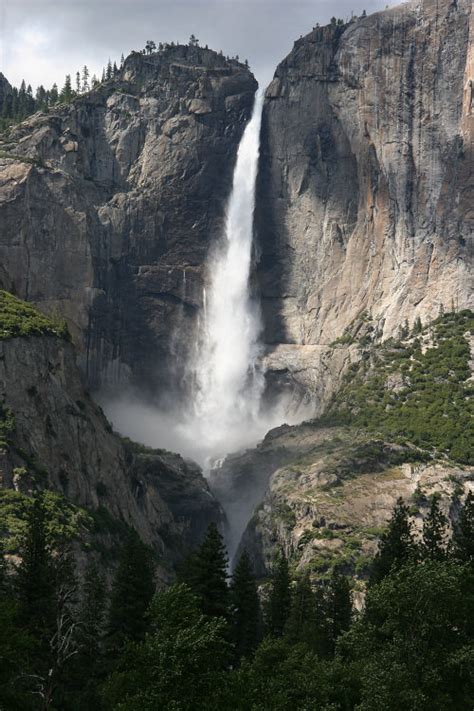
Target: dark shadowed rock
108,206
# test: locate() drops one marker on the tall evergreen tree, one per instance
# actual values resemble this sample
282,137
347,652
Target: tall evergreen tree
89,663
339,607
35,580
206,574
396,545
302,623
67,93
245,605
463,536
85,79
435,531
279,600
132,591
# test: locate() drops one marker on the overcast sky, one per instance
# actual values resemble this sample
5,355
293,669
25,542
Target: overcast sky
42,40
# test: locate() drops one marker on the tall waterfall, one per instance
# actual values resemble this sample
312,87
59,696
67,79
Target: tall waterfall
224,412
227,384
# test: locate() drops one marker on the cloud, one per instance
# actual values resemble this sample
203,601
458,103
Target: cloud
42,40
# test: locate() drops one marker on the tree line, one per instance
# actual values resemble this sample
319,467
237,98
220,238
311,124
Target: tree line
209,641
19,103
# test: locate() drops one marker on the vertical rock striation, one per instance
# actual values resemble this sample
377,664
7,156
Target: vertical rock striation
366,191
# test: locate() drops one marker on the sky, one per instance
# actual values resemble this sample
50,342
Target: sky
42,40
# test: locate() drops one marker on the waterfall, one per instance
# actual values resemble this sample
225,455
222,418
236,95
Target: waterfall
224,411
227,384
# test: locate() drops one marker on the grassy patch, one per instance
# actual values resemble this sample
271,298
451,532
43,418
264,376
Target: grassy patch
20,319
432,408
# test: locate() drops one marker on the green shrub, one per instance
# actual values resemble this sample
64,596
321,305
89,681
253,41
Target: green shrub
19,319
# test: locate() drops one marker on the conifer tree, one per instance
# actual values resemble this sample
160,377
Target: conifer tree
435,531
417,326
396,545
53,94
85,79
279,600
206,574
108,72
67,93
89,664
132,590
245,605
122,60
463,536
302,623
339,607
78,83
35,579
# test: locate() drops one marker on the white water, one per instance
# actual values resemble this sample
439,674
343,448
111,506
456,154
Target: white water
227,384
224,413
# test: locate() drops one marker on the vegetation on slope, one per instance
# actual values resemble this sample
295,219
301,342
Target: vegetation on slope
205,644
20,319
417,389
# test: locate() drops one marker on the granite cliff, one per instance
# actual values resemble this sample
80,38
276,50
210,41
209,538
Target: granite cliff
54,437
108,206
364,206
364,221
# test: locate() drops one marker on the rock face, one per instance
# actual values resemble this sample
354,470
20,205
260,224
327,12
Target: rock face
366,190
61,441
108,206
324,495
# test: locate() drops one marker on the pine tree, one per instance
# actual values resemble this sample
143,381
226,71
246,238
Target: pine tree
396,545
122,60
245,605
302,623
67,93
193,41
89,665
132,590
279,600
417,326
78,83
53,94
85,79
108,72
435,531
339,607
34,582
206,574
463,536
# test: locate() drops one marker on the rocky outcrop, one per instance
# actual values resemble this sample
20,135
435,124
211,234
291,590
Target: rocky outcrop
108,206
400,426
57,438
364,205
326,495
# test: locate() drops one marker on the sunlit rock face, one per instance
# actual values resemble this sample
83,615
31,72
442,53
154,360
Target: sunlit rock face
108,212
364,203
